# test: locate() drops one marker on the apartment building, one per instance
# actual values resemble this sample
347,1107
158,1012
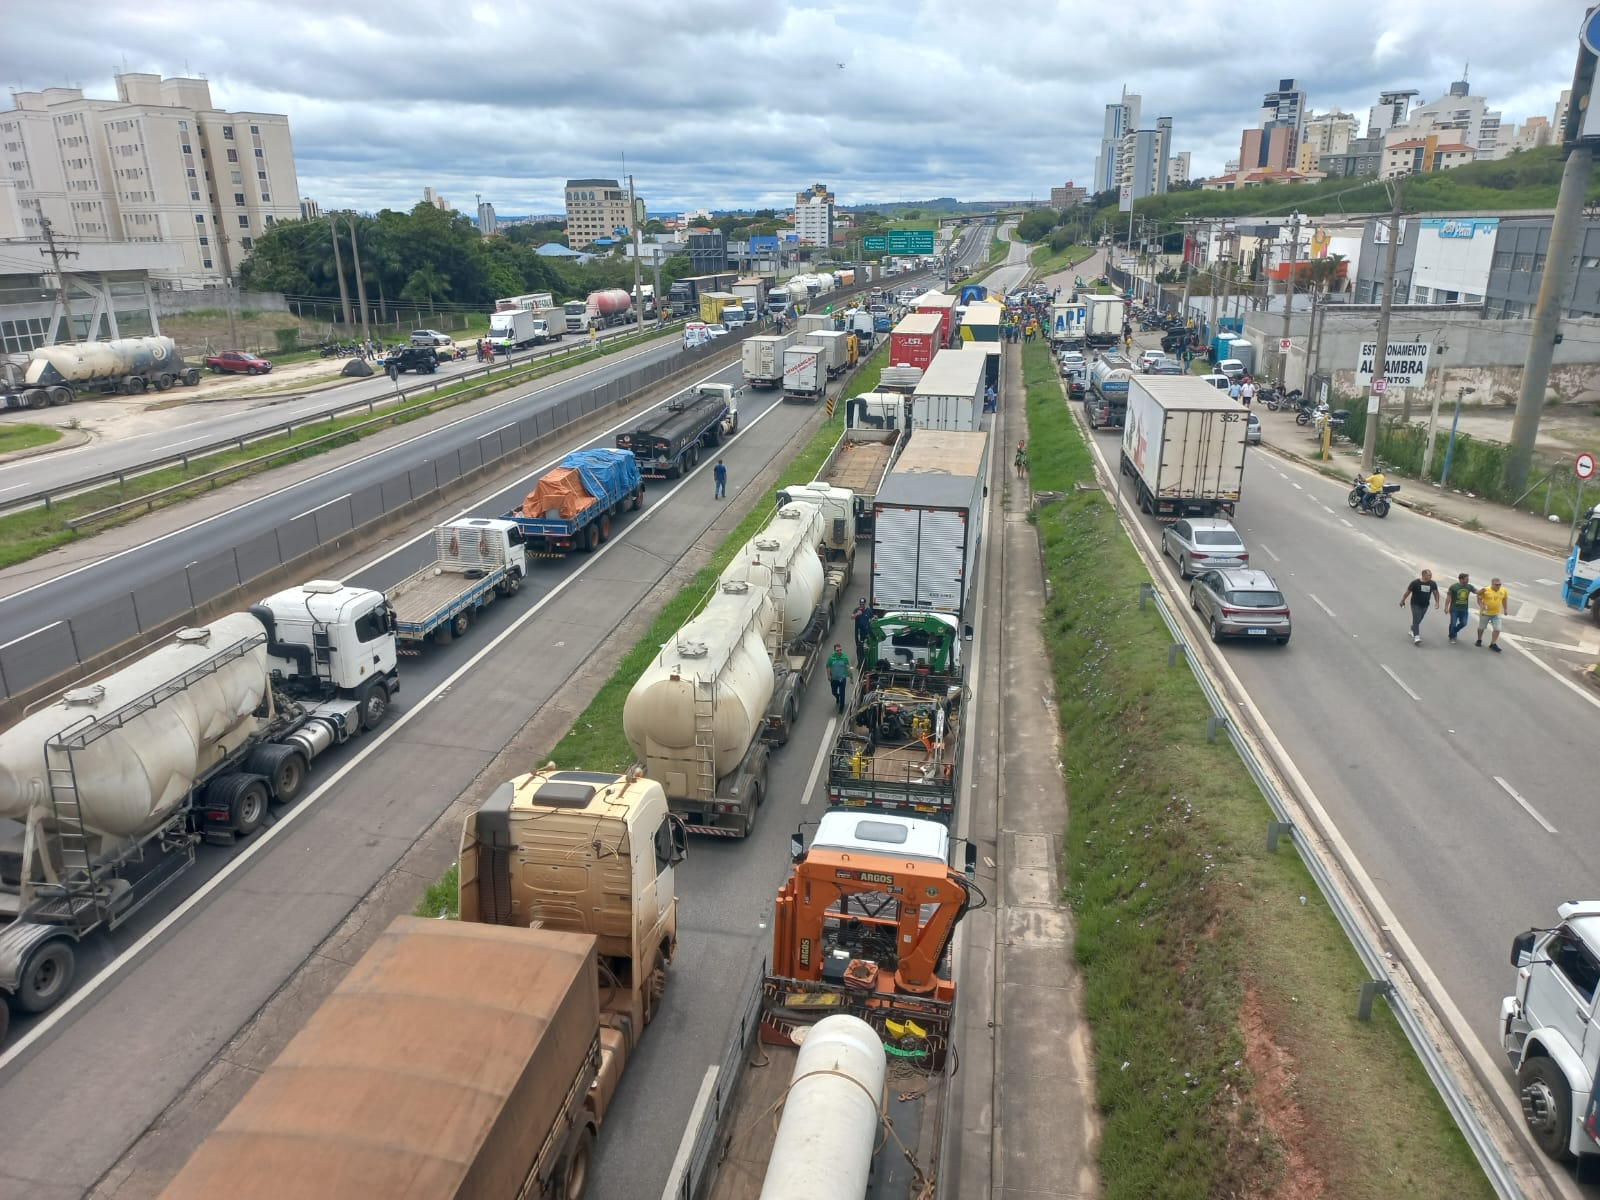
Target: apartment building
158,164
1063,198
1178,169
1419,156
1122,118
596,208
1142,160
1331,133
813,215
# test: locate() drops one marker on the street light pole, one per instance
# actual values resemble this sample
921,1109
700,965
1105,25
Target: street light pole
1288,288
1369,442
338,268
1450,446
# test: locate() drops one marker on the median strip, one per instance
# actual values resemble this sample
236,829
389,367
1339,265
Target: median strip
1219,986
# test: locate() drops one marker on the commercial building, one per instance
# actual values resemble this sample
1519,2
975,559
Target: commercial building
431,197
1122,118
1363,158
1420,156
1063,198
813,215
596,208
1271,150
486,219
310,210
1516,270
159,164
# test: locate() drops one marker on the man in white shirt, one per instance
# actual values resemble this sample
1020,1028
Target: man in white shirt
1247,392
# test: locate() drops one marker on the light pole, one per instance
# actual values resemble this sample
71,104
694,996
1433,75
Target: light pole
1450,446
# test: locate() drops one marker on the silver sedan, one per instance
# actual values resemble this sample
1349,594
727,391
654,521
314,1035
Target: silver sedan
1200,543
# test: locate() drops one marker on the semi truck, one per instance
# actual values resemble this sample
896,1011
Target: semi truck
914,341
943,306
752,293
805,373
475,560
609,306
1068,321
1104,317
928,524
950,393
573,505
1183,444
683,297
667,443
858,977
56,375
858,463
114,784
1105,401
516,329
762,357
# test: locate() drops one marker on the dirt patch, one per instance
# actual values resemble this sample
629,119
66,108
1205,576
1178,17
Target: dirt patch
1272,1094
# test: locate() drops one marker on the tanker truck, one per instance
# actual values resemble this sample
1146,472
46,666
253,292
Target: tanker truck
609,306
53,375
105,794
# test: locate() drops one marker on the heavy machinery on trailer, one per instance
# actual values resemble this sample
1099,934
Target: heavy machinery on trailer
112,786
475,560
667,443
573,504
55,375
860,977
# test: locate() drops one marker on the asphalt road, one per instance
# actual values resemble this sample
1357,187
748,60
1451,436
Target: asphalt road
209,422
1459,777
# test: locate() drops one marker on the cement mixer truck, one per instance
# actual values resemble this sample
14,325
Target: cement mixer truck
105,794
55,375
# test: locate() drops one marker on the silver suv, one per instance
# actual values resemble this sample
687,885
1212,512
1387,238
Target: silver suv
1198,543
1241,603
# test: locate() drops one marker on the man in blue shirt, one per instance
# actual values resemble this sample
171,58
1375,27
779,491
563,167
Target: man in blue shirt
720,474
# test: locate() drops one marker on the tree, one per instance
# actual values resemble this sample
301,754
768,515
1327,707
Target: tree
1037,223
425,283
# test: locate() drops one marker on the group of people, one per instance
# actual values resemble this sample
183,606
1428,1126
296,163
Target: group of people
1242,389
485,351
1423,591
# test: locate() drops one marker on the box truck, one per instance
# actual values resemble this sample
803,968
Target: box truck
1183,444
950,393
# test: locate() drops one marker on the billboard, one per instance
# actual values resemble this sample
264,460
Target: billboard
1406,364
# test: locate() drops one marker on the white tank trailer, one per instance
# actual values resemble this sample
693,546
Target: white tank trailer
54,375
105,793
782,559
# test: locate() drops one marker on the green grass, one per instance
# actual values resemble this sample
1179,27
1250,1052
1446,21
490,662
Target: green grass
439,898
1221,1007
26,437
998,249
1047,261
35,531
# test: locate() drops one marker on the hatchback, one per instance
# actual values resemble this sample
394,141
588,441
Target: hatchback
1200,543
1150,358
1071,358
1240,603
1232,368
1252,431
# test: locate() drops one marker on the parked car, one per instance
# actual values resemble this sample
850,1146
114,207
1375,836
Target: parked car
1200,543
1241,603
1231,367
1252,431
431,337
1220,382
1149,359
1167,366
420,359
1077,381
237,362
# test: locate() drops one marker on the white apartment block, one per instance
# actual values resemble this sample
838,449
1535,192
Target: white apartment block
1465,117
813,216
1178,169
157,164
596,208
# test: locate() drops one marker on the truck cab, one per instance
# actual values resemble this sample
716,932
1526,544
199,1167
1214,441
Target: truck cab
329,641
1547,1029
1582,587
839,514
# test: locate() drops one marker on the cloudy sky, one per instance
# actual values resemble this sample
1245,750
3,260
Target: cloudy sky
734,103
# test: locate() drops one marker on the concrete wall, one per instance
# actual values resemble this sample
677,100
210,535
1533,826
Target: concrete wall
175,300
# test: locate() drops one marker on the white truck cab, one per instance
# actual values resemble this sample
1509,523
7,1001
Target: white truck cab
327,640
1548,1029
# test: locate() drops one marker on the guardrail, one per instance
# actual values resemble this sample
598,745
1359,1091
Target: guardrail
1373,959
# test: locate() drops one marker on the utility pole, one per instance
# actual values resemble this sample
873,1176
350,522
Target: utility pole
1288,287
1369,443
1564,232
225,249
56,255
638,295
361,286
338,268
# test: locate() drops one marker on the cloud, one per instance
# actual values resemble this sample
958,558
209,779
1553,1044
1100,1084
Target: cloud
728,103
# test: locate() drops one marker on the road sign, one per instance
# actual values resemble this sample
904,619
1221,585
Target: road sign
874,242
1406,364
1584,466
1379,386
1589,32
910,241
1283,344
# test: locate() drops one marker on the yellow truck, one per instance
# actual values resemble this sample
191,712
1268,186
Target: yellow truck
476,1059
714,306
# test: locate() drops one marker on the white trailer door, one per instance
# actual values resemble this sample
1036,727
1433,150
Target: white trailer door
1203,453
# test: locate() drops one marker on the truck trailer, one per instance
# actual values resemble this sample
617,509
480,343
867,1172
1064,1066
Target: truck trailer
928,524
668,441
859,462
574,504
805,372
949,395
1183,444
1104,318
475,560
55,375
762,359
914,341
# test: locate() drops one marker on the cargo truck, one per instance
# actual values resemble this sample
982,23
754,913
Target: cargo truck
56,375
714,306
515,329
833,350
475,560
763,359
858,977
950,393
1104,317
1105,402
805,373
1183,444
684,295
667,443
928,524
914,341
112,786
573,505
477,1059
943,306
752,293
608,307
859,462
1067,324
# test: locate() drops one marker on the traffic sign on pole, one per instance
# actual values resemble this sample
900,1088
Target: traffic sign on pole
1379,385
1283,344
1584,466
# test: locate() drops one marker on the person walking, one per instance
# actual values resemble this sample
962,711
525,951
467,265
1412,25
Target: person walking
720,474
1492,602
1235,390
838,674
988,399
1247,391
863,623
1419,593
1022,458
1458,596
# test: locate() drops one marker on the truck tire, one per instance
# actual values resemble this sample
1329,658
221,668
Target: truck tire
1546,1105
605,527
638,502
191,377
135,385
284,769
60,396
575,1175
655,986
375,700
46,976
460,623
248,809
510,585
591,539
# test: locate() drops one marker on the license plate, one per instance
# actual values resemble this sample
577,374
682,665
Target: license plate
1256,630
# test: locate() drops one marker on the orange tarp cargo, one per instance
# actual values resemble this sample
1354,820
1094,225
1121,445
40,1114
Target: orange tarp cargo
561,489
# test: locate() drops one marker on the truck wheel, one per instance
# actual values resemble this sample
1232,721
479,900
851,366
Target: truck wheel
591,539
46,977
1547,1106
460,623
248,811
60,396
163,382
283,767
575,1175
191,377
375,701
655,986
510,585
605,528
135,385
638,502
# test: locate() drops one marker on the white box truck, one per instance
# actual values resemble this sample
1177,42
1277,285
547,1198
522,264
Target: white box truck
805,375
833,348
515,329
1183,444
950,393
928,523
763,358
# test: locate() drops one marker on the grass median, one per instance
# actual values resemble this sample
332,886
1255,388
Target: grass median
1046,261
1219,987
26,437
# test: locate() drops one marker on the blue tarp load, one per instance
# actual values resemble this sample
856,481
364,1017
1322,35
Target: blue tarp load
606,473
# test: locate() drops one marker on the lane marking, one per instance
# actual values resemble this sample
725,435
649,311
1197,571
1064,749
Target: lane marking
1577,689
1345,521
1526,807
1401,683
1546,582
265,838
822,756
1569,647
1292,483
1320,604
1265,549
318,508
1326,509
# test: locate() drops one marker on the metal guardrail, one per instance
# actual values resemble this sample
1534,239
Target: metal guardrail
1372,957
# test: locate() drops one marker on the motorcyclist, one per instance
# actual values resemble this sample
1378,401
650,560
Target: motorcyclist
1374,489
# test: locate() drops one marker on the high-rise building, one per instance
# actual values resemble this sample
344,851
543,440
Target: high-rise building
486,221
1558,123
1533,133
1178,169
1285,108
1391,109
310,210
1063,198
157,164
596,208
1460,118
429,196
1331,133
813,215
1267,149
1122,118
1142,160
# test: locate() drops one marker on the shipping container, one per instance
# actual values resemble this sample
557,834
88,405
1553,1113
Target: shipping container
928,524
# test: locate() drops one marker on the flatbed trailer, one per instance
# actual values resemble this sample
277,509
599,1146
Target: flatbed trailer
860,461
475,562
573,506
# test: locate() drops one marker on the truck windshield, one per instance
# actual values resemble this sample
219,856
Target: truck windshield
1589,540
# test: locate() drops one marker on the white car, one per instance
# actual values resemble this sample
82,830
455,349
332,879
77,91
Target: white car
1150,358
716,331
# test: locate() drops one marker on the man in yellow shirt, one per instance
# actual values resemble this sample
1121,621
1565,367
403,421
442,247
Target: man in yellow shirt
1374,488
1492,602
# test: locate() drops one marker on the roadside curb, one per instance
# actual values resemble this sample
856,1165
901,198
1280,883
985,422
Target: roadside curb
70,439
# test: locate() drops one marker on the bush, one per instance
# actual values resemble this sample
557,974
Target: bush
288,339
1036,224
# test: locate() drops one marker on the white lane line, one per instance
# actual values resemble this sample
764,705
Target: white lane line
1526,807
680,1161
1327,510
1318,602
1401,683
1295,485
1267,550
346,496
329,786
822,756
1569,647
1345,521
1540,582
1576,689
15,486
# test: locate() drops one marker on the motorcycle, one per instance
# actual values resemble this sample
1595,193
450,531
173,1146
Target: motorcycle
1364,501
1276,398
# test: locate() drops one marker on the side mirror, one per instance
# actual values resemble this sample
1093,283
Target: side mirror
680,841
1522,948
971,862
797,846
966,633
